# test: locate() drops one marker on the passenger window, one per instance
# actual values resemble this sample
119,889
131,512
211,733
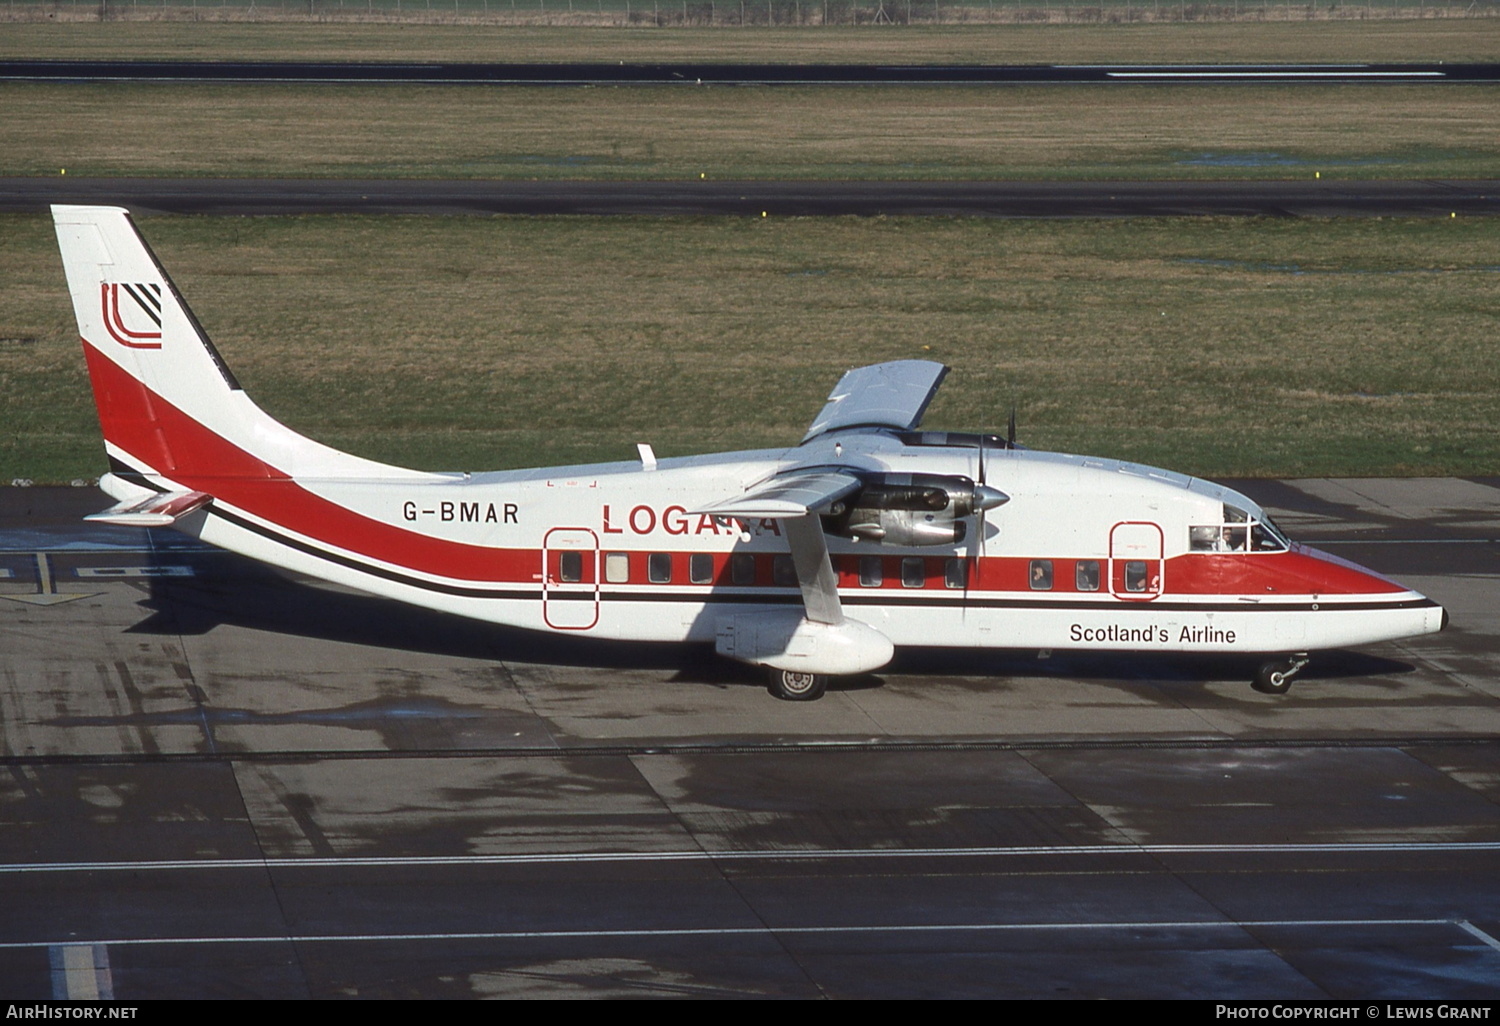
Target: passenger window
783,572
659,567
956,573
1086,575
617,567
1041,575
1135,575
913,572
701,568
742,568
570,567
871,572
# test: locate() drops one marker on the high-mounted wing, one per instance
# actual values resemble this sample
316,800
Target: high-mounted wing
892,394
794,495
796,500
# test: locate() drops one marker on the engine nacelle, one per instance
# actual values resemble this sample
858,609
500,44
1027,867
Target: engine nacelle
912,509
904,527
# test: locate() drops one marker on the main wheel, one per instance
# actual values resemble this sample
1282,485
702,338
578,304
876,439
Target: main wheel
1273,678
796,686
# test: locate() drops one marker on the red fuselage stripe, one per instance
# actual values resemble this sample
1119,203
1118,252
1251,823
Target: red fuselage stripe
159,435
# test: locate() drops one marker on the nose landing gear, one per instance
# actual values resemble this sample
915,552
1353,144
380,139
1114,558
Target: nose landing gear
1275,675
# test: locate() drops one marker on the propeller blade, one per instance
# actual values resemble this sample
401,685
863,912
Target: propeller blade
979,510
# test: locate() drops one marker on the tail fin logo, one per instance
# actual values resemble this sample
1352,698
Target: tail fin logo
137,322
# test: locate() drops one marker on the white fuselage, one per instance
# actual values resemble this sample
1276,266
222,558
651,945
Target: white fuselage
1087,554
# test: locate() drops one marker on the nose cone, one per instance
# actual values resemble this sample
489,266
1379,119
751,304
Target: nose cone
1334,575
986,497
1367,606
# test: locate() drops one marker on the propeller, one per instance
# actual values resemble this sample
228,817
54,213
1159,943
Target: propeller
977,546
985,497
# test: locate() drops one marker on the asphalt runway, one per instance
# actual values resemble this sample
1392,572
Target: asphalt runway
720,73
1308,198
222,782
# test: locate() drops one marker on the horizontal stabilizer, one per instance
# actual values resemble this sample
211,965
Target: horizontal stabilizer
795,495
892,395
154,511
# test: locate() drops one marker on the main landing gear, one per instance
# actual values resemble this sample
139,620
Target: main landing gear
796,686
1275,675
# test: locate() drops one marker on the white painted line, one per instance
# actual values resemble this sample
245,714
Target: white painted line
1221,67
756,931
1404,541
134,571
770,855
1276,74
1470,928
80,972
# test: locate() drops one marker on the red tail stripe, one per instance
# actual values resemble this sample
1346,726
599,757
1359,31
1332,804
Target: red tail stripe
137,421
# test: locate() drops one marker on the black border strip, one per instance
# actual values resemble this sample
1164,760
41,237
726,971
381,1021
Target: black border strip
366,568
171,287
720,598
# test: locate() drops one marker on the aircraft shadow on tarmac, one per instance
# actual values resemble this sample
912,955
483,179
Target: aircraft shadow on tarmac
230,591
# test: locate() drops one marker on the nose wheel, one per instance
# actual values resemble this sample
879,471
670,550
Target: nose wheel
796,686
1275,676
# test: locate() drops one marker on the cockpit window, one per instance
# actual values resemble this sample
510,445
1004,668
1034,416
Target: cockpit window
1239,533
1265,536
1203,539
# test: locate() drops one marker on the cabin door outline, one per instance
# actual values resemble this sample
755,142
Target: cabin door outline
1136,567
570,579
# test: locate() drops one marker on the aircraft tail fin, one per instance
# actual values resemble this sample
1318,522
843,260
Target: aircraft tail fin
168,405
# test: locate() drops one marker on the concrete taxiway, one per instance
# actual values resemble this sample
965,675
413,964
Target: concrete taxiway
218,781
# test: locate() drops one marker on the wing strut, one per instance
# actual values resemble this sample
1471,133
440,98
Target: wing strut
815,576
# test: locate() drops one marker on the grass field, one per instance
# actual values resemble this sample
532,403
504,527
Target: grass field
1215,346
1446,39
752,132
1221,347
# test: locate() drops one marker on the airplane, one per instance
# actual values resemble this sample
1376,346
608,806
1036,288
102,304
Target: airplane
814,561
